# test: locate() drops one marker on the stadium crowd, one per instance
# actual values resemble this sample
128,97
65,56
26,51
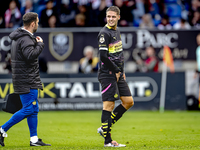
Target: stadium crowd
161,14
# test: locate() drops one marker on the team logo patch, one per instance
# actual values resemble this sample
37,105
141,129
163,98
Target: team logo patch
60,45
102,39
116,95
34,102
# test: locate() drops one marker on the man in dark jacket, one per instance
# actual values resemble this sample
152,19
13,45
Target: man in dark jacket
25,49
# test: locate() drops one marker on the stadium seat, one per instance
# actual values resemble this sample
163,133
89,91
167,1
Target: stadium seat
39,10
136,22
172,21
173,10
170,1
156,22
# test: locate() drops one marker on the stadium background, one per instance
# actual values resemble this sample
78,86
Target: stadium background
66,89
64,46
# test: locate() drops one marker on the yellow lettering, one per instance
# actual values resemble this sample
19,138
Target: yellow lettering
5,91
46,90
11,88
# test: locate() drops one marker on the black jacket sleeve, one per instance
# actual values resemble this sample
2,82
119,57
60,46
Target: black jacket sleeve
104,58
31,50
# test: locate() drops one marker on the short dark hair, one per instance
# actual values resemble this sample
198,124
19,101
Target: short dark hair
29,17
113,8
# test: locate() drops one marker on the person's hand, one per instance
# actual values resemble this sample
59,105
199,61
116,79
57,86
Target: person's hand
124,76
117,75
139,61
130,3
39,39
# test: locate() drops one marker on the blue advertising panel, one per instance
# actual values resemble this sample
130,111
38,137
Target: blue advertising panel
83,92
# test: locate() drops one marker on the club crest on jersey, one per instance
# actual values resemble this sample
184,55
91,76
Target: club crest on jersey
116,95
60,44
34,102
102,39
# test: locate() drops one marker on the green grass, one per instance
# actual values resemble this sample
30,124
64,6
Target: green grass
137,129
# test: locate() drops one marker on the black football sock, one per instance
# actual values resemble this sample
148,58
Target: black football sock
106,125
117,113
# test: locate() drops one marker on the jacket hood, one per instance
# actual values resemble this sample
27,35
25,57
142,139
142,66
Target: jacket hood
18,33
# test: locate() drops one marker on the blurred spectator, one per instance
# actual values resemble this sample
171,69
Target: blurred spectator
79,21
82,2
66,13
182,24
87,12
195,6
196,19
198,62
35,4
126,17
89,63
147,6
101,4
12,16
85,7
49,11
94,11
8,62
3,7
150,64
147,22
2,22
161,6
28,7
154,7
165,25
52,22
101,11
140,9
198,53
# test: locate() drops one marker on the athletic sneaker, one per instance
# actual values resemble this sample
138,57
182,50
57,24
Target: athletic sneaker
114,144
1,139
100,131
39,143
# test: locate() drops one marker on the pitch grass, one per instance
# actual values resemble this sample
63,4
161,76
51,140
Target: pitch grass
137,129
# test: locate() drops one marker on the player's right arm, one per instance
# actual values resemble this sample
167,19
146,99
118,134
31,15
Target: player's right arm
30,49
103,40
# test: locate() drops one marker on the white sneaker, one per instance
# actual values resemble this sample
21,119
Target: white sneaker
100,131
108,145
114,144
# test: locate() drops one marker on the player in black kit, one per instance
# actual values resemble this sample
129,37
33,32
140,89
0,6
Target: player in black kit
112,77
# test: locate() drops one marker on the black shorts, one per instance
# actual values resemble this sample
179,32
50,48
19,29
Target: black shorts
113,90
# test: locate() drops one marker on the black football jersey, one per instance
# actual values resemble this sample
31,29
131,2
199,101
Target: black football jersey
110,40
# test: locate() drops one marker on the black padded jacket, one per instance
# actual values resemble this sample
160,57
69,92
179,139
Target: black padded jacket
24,61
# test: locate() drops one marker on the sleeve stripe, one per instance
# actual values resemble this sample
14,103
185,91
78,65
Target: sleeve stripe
103,48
